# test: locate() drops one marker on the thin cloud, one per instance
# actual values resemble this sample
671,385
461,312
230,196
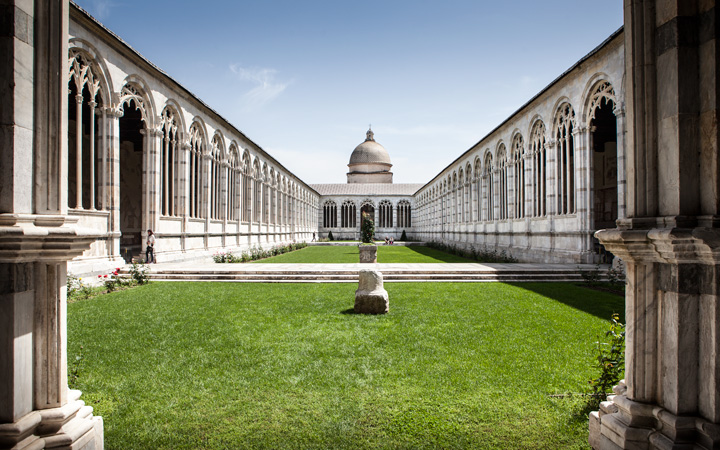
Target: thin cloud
266,89
101,8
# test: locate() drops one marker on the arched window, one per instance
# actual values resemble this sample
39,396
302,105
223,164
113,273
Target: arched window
330,214
404,214
169,163
565,159
84,169
488,187
460,196
257,192
455,199
502,167
467,194
604,156
386,214
246,187
348,214
265,186
477,201
537,151
272,188
518,168
217,179
197,147
233,184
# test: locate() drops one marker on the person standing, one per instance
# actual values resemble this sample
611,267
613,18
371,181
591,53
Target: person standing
150,249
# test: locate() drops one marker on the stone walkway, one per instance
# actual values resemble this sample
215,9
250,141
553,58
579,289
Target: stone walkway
207,270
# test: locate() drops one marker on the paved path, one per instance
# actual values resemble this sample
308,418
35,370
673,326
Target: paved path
207,270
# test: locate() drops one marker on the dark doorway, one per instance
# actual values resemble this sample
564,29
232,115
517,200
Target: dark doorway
131,198
605,173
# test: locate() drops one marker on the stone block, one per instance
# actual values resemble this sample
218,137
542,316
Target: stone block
368,253
371,297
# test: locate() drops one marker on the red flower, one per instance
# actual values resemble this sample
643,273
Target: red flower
99,276
105,276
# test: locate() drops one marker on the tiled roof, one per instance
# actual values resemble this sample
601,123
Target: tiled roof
367,188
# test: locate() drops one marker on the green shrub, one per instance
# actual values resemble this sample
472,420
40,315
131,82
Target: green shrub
139,272
403,236
330,236
367,229
610,362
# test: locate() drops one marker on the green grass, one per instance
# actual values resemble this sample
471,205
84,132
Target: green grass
288,366
349,254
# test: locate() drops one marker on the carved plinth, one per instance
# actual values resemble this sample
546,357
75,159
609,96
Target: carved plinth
69,426
371,297
368,253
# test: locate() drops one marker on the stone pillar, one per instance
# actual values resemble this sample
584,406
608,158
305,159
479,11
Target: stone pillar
670,241
583,185
621,173
37,238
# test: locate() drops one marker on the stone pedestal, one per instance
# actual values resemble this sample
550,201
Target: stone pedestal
371,297
368,253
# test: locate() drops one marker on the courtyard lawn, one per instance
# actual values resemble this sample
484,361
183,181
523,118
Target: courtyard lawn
349,254
288,366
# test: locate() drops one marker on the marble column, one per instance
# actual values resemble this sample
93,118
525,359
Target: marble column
670,240
37,238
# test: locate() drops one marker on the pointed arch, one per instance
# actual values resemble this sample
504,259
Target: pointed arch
197,145
169,161
217,177
564,125
536,147
87,144
488,183
348,214
518,171
501,163
330,214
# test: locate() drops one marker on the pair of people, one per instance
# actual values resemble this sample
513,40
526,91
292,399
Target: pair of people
389,240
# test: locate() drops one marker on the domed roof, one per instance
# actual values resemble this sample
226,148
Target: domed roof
370,152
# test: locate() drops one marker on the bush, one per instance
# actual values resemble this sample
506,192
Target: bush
113,280
367,229
76,288
610,362
403,236
139,272
330,236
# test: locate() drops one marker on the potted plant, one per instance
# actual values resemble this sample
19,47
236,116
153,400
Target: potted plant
368,249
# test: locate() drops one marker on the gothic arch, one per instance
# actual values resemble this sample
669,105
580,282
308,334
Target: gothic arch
532,122
96,68
179,116
596,89
201,132
136,89
564,125
218,144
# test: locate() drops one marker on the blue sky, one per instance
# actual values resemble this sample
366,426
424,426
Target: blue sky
304,79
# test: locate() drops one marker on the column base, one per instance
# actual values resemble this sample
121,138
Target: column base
69,427
622,423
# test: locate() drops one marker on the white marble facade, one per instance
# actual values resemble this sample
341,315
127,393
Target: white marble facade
144,153
543,181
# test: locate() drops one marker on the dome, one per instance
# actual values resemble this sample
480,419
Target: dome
370,152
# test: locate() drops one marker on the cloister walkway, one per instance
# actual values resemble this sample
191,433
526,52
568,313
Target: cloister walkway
207,270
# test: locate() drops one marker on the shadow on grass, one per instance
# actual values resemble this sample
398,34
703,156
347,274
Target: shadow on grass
437,254
349,311
600,304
